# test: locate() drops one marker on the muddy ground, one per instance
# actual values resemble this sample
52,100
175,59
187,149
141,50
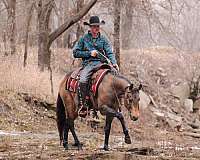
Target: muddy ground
28,131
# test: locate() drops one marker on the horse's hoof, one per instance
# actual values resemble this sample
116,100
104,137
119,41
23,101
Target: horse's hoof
66,148
80,147
77,144
106,148
127,139
65,145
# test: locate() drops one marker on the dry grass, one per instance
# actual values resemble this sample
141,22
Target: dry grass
15,77
143,62
5,143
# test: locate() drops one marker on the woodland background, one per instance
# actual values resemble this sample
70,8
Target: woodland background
156,43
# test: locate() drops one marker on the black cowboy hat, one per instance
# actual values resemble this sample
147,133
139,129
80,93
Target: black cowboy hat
94,20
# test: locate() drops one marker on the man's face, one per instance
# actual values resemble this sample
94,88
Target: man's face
95,30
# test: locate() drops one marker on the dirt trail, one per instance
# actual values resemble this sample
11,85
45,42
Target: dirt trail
28,131
45,145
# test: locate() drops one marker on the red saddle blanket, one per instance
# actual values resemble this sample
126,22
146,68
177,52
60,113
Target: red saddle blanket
73,80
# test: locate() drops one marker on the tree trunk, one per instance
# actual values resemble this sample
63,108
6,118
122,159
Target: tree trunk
5,43
59,19
29,12
44,55
117,12
12,25
80,30
127,25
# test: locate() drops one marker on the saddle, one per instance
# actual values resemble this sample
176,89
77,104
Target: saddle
96,78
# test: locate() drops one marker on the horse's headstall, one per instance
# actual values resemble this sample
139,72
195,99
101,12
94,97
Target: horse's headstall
130,87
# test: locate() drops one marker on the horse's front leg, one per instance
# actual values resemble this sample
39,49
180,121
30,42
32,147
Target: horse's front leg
109,119
125,130
112,113
72,129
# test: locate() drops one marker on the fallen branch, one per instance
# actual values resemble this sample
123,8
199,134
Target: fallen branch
153,102
194,130
195,135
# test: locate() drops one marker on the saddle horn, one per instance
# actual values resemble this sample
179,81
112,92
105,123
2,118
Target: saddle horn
131,86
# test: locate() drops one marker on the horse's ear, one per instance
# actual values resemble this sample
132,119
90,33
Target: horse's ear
140,87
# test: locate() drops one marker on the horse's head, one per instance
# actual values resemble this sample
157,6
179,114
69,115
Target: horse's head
131,101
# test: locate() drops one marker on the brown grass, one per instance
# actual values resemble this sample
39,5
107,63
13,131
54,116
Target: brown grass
15,77
5,143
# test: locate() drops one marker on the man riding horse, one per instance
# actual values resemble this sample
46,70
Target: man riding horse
110,92
91,47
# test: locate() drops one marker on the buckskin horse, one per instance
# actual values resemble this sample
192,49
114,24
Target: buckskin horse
114,91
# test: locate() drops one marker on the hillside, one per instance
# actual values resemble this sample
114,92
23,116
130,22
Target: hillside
167,127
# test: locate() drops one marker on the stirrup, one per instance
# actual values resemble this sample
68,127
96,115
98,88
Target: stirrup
83,113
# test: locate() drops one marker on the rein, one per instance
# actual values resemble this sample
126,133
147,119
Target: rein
120,103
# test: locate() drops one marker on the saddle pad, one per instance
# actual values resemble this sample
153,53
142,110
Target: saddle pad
72,83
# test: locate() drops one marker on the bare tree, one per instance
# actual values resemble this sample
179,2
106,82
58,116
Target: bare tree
44,11
127,23
28,20
117,12
61,10
45,39
11,23
5,43
80,30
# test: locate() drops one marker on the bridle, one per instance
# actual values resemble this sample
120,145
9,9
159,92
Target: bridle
122,97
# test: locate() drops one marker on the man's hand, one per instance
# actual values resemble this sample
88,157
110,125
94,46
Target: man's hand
93,53
116,67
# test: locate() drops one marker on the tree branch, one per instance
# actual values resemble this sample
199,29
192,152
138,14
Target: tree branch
6,4
56,10
70,22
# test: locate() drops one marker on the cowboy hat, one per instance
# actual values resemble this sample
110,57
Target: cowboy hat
94,21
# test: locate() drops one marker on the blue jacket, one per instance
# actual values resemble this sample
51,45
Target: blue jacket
86,44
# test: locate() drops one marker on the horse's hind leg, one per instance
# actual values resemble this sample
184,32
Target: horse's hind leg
125,130
66,131
107,128
72,129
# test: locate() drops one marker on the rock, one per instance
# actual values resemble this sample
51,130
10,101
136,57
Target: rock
4,107
167,115
182,91
173,123
144,100
161,72
196,104
173,117
194,125
188,105
157,112
196,107
166,119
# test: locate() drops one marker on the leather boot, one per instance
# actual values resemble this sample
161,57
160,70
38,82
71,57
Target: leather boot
84,94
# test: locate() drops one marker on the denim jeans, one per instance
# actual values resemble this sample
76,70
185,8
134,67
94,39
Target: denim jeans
87,72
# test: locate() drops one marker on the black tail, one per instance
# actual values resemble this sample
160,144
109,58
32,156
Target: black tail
61,116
